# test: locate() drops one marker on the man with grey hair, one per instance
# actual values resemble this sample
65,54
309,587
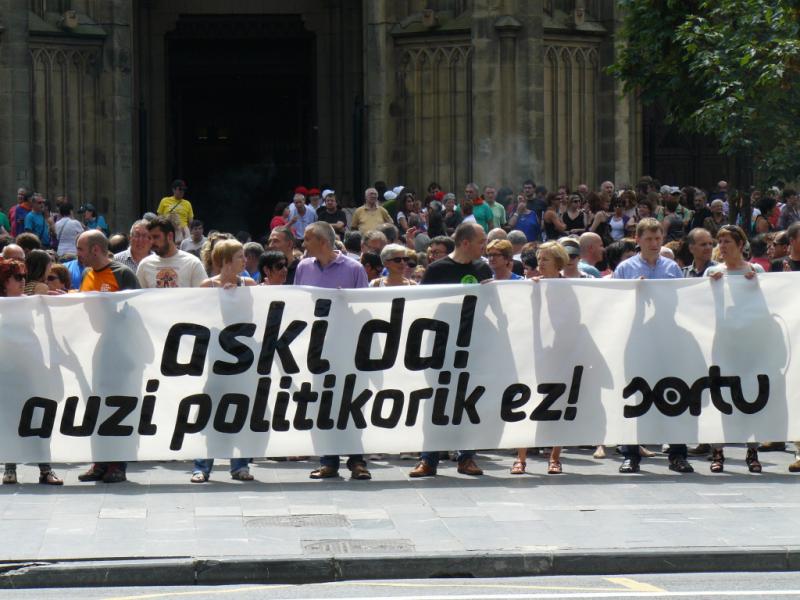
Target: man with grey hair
607,187
480,210
496,234
140,245
14,251
326,267
498,210
370,216
373,241
518,239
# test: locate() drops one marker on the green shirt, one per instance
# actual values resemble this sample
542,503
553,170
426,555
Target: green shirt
483,215
4,222
499,212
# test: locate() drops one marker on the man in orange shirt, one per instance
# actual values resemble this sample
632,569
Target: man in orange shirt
103,275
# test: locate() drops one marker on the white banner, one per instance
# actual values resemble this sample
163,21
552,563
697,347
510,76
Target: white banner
278,371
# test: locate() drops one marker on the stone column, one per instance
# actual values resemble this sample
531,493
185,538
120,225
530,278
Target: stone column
627,124
528,134
119,44
379,88
15,100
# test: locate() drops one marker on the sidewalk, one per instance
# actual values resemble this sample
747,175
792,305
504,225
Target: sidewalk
159,528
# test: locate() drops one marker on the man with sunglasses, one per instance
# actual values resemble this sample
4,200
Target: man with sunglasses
37,223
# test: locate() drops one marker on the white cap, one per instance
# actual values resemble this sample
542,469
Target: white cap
674,190
397,190
665,189
389,195
326,193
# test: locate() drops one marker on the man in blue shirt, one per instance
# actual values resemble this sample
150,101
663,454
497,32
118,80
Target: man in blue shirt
36,223
524,219
649,264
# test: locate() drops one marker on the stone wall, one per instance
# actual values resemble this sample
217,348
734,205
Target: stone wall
68,82
496,91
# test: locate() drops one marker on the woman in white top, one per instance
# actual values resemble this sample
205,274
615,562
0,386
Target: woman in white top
394,257
228,260
731,240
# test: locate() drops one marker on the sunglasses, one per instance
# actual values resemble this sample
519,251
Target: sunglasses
279,266
399,259
52,278
19,276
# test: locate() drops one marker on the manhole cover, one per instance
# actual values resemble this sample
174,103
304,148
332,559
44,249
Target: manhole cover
357,546
298,521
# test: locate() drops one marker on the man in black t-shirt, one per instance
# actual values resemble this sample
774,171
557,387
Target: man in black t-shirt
332,213
462,265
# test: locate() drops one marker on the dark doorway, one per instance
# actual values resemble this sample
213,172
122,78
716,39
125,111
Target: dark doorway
242,114
675,158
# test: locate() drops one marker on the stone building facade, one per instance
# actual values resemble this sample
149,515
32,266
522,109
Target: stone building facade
108,100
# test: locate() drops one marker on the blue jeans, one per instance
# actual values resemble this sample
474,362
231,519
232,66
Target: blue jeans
204,465
432,458
674,451
333,461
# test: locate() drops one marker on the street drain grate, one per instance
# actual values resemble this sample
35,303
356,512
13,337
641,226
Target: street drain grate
298,521
357,546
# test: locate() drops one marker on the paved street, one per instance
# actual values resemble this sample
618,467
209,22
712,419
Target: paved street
590,510
696,586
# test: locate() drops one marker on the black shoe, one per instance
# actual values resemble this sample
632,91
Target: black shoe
680,465
629,466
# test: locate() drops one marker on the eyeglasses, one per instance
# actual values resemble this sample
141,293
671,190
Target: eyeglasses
52,278
399,259
19,276
494,255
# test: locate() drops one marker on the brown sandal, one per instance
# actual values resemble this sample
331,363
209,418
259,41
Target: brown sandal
518,468
753,465
554,468
717,461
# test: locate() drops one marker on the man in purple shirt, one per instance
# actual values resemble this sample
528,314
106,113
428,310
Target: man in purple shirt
326,267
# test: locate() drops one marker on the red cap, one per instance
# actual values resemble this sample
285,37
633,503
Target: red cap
439,195
313,192
301,189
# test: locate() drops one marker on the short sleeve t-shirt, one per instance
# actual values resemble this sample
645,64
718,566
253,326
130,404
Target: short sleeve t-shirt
114,277
446,270
721,268
179,270
366,220
67,232
182,208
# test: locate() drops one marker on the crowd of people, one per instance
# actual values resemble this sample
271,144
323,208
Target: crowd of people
400,238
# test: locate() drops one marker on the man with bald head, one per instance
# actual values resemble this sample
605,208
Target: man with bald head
370,216
592,251
464,265
103,275
14,251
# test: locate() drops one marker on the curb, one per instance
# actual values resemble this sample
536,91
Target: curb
186,571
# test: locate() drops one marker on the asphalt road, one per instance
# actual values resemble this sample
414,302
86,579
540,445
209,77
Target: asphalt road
697,586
